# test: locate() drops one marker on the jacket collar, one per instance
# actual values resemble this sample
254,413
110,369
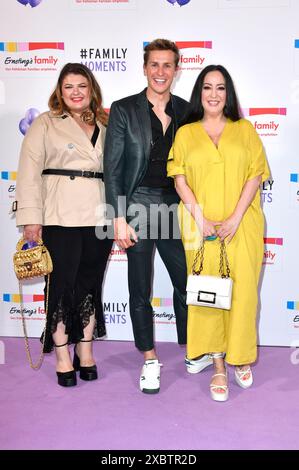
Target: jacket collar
144,120
65,115
77,135
59,116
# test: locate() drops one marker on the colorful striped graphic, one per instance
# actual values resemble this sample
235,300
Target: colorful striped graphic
162,302
273,241
16,298
189,44
292,305
9,175
29,46
258,111
294,177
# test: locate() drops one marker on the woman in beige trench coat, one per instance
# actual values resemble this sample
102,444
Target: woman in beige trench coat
59,192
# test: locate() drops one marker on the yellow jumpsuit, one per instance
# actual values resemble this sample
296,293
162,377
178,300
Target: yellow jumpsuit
217,175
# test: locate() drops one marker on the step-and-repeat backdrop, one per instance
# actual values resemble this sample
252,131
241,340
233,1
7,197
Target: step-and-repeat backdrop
258,42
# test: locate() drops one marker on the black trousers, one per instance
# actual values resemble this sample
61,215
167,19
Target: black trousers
79,263
152,232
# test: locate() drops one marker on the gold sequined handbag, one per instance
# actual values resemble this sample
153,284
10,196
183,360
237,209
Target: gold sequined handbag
28,264
33,262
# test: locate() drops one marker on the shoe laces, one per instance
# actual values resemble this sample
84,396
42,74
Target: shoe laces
151,369
152,362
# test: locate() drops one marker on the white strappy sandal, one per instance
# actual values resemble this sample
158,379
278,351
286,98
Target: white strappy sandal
240,374
219,396
216,395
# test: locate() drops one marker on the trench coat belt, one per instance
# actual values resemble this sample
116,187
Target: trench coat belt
73,173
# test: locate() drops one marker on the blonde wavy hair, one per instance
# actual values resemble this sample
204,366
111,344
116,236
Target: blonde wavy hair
96,111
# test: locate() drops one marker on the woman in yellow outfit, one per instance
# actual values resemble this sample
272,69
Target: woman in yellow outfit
218,163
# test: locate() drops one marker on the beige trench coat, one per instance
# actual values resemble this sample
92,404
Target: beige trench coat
58,142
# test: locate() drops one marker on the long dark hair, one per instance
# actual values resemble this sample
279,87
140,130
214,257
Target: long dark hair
231,109
56,103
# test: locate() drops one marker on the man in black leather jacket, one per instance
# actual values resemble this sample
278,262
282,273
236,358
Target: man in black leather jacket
139,136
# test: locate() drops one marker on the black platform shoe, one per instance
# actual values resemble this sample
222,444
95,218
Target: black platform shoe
86,372
66,379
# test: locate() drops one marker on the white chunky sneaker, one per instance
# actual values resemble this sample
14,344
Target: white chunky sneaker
150,376
194,366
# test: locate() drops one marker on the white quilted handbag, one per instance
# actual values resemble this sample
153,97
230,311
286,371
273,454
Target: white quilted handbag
210,291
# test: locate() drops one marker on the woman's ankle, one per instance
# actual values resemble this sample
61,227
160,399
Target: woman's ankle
85,353
64,365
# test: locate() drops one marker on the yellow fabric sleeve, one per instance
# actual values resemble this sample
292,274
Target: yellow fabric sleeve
258,161
176,157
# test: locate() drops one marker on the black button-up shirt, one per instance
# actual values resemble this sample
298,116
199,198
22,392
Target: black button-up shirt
156,175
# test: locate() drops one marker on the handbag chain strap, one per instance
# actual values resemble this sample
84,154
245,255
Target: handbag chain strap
199,253
27,347
223,259
223,265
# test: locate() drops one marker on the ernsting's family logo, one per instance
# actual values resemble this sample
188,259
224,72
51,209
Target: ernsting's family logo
273,250
8,185
267,121
193,54
29,311
294,190
293,305
27,57
32,3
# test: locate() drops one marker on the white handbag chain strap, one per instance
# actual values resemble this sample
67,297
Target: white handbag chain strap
223,260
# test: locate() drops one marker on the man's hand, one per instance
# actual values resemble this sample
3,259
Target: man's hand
124,235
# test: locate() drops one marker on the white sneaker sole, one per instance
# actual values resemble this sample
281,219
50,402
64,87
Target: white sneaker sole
150,391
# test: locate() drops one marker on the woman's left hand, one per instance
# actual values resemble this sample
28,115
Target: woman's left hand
228,228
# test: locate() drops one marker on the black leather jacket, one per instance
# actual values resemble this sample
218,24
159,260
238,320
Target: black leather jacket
128,145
